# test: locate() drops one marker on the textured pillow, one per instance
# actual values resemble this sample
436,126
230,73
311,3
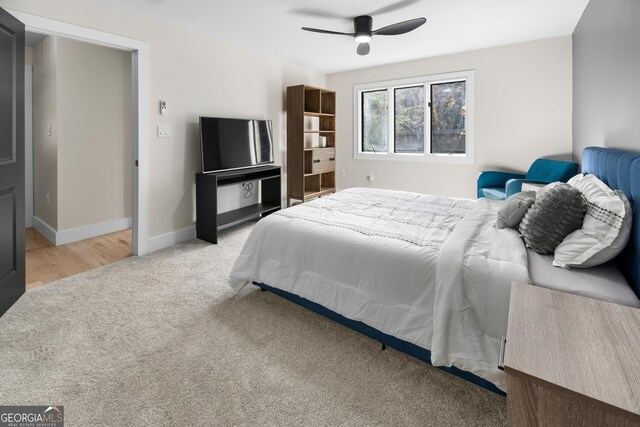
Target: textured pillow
605,231
540,192
558,211
514,208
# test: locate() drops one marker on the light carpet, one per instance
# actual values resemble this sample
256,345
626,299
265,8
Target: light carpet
161,340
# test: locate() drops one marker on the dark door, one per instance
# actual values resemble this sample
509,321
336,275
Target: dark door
12,274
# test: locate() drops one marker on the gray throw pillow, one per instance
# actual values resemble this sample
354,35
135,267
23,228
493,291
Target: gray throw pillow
514,208
556,213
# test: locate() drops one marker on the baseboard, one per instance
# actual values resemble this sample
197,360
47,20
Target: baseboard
172,238
93,230
81,233
45,229
58,238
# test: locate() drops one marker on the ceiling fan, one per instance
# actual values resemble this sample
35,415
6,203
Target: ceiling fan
362,26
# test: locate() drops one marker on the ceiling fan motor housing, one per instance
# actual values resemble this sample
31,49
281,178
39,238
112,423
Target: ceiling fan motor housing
363,25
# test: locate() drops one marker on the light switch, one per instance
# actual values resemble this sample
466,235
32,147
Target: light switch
164,131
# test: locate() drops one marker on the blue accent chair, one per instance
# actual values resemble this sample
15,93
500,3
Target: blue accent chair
500,185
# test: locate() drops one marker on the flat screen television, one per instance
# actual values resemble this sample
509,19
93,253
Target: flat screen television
235,143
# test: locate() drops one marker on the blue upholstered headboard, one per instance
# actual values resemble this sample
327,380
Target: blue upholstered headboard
621,171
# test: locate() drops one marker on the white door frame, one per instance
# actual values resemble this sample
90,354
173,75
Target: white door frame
140,70
28,145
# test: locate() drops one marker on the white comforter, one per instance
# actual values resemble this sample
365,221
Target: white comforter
429,270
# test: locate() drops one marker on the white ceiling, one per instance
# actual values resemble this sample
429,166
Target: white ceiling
273,26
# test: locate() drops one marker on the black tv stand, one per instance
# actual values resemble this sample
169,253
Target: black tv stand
208,220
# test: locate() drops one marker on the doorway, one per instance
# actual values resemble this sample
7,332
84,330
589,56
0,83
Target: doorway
140,116
80,188
139,54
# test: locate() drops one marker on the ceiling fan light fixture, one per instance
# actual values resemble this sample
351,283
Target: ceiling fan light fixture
363,38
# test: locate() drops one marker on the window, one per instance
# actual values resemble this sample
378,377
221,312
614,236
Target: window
420,119
448,128
374,121
408,120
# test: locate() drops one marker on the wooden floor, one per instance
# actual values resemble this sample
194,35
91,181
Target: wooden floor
46,263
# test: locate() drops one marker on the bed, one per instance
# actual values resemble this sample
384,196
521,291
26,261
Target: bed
427,275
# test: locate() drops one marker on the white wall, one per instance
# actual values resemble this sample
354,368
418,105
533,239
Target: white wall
45,146
523,111
196,76
94,134
83,95
606,87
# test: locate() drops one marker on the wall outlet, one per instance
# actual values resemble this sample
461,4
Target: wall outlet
49,130
164,131
47,199
343,173
370,177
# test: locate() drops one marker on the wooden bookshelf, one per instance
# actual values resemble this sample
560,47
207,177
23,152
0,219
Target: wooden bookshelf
310,117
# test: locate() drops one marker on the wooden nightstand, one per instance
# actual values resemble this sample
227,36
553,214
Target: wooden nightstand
571,360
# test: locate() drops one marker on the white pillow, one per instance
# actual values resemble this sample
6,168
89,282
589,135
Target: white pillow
577,178
605,230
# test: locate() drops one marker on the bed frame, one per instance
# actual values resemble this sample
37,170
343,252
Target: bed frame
384,339
619,169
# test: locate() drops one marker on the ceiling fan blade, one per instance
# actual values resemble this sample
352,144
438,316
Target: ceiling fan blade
393,7
363,49
316,30
400,27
